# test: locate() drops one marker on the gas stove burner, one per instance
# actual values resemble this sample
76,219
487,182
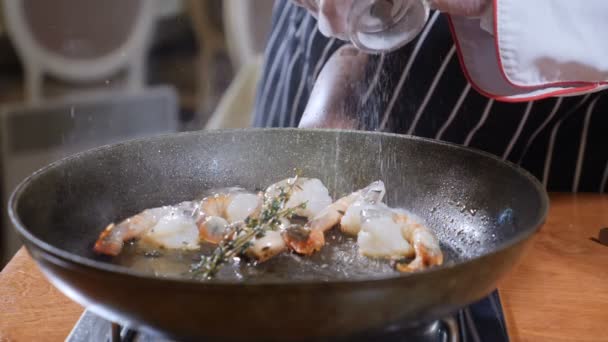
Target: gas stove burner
482,321
445,330
93,328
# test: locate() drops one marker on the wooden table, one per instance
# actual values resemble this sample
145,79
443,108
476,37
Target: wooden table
558,293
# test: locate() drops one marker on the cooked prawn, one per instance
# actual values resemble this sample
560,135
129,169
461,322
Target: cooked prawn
310,238
303,239
233,205
304,190
380,235
426,246
266,247
168,226
395,234
369,199
181,226
222,209
212,228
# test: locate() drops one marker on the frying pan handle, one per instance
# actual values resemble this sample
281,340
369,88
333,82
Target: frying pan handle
453,334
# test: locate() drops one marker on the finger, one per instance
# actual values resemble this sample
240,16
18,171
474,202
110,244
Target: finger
468,8
334,95
333,17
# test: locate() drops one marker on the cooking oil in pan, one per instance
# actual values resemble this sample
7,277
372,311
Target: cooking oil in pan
338,260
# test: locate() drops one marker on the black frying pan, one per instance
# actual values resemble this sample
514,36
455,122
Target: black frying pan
483,210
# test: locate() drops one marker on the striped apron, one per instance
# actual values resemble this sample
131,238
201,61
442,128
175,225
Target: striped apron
421,90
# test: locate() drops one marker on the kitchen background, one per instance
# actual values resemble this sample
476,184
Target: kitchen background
76,74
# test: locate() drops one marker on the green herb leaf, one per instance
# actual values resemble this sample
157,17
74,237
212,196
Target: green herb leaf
242,234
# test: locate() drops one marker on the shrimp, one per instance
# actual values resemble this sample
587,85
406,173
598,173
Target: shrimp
380,235
181,226
395,234
310,238
270,244
426,246
266,247
303,239
305,190
315,195
221,210
174,231
372,198
212,229
234,205
168,226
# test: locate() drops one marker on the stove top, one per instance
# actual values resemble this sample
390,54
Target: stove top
482,321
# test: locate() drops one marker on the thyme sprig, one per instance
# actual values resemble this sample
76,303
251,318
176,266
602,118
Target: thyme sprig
240,236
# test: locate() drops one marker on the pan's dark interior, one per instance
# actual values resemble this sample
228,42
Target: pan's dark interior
473,202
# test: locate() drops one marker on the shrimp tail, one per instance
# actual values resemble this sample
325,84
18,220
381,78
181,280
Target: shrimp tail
303,240
212,229
426,247
112,239
108,243
424,258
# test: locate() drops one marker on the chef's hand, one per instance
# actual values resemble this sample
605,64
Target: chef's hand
465,8
332,15
334,97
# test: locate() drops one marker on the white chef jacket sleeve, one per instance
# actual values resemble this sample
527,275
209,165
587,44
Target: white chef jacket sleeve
524,50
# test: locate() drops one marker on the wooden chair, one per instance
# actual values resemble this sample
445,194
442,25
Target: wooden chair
247,25
34,135
80,41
